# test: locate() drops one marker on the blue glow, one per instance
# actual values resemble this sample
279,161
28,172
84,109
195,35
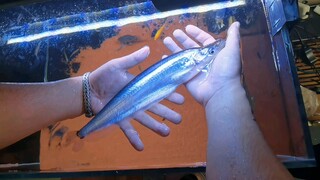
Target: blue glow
125,21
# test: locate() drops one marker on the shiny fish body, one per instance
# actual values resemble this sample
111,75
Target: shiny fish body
153,85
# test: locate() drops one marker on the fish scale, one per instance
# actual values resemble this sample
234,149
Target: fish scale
153,85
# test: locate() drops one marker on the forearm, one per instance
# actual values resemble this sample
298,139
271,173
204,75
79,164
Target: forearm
26,108
236,146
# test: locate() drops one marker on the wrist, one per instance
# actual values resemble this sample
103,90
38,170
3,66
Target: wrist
74,90
223,91
230,105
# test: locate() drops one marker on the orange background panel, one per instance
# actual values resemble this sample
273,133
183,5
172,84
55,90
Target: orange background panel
109,149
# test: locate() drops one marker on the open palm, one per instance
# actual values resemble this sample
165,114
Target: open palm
207,83
110,78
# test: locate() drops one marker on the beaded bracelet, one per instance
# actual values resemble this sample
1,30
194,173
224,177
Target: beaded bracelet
87,95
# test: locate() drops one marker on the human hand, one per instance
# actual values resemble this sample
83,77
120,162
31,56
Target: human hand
110,78
225,69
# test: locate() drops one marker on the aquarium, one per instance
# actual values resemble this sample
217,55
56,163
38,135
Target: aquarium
50,40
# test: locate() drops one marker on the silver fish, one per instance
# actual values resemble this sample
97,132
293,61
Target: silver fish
153,85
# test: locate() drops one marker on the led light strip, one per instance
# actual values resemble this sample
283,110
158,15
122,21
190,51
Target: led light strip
125,21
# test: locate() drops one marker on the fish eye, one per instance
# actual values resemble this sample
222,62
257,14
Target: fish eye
211,50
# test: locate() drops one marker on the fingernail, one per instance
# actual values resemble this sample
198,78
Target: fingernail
237,24
146,48
165,127
177,32
165,130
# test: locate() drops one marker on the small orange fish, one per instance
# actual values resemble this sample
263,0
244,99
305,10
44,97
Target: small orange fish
158,33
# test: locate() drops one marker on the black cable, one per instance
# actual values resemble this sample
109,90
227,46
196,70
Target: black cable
305,59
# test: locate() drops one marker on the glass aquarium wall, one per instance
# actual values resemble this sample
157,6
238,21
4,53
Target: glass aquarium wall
46,41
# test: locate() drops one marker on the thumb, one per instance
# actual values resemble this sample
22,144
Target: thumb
134,58
227,63
233,39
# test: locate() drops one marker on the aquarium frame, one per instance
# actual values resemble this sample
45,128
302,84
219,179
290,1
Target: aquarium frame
280,38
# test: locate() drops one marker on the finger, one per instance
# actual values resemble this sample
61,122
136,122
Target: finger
203,37
176,98
146,120
171,45
233,39
131,134
166,113
227,64
131,60
185,40
231,51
